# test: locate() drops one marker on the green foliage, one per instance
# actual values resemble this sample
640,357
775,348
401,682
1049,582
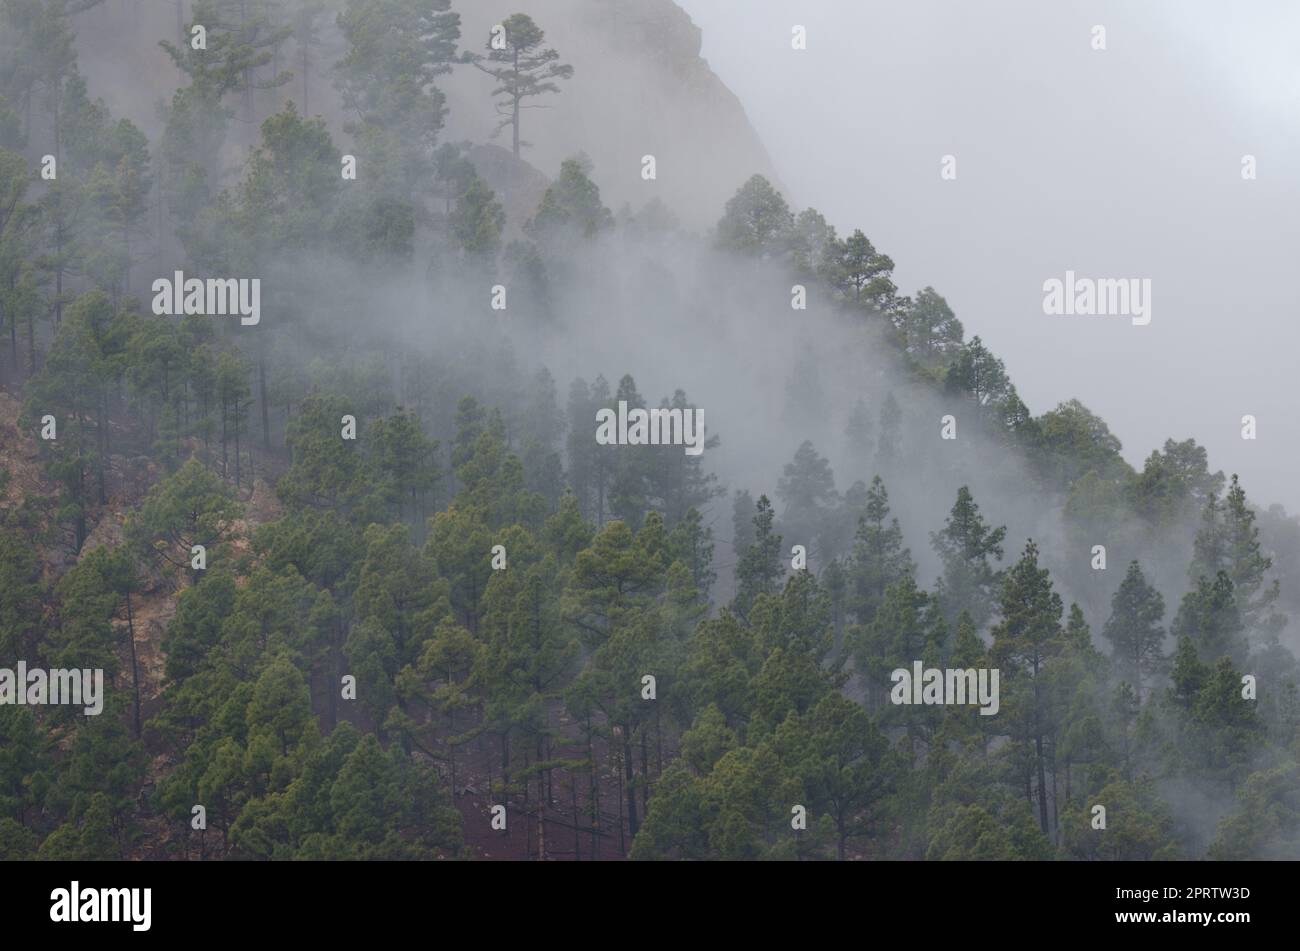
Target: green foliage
473,602
522,68
965,546
1134,631
1071,442
570,207
757,220
1266,822
760,565
1209,617
860,273
931,333
21,596
190,507
879,558
1228,542
477,222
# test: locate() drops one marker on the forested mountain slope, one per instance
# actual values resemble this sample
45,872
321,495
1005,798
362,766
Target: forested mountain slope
391,577
647,89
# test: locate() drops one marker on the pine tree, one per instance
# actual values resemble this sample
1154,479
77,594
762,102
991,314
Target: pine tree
37,52
1228,541
879,558
844,763
21,591
528,659
742,522
756,221
931,333
807,487
476,223
304,21
591,466
570,207
858,436
760,568
1071,443
904,628
1171,481
965,546
80,372
397,51
198,118
523,70
861,273
26,772
889,444
691,543
676,482
1134,630
1209,617
404,459
811,238
19,233
977,374
1025,640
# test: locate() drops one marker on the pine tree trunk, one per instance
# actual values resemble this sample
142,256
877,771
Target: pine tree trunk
223,437
451,750
577,830
595,793
332,671
101,432
135,670
543,798
659,742
645,774
630,782
81,488
1042,782
1056,806
266,416
541,821
618,780
237,456
515,117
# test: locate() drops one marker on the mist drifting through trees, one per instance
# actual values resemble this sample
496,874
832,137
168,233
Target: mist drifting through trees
365,581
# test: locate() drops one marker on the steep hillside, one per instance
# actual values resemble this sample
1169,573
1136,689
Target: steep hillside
640,88
403,518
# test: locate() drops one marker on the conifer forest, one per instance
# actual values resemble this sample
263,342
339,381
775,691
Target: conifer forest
445,430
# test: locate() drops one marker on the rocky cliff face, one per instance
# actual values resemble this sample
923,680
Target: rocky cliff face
639,88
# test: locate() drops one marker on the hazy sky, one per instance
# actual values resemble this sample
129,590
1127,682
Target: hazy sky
1122,163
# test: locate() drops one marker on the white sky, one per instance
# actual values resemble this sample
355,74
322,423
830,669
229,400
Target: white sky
1122,163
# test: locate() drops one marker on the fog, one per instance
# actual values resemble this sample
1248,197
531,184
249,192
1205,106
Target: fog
407,286
1120,163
